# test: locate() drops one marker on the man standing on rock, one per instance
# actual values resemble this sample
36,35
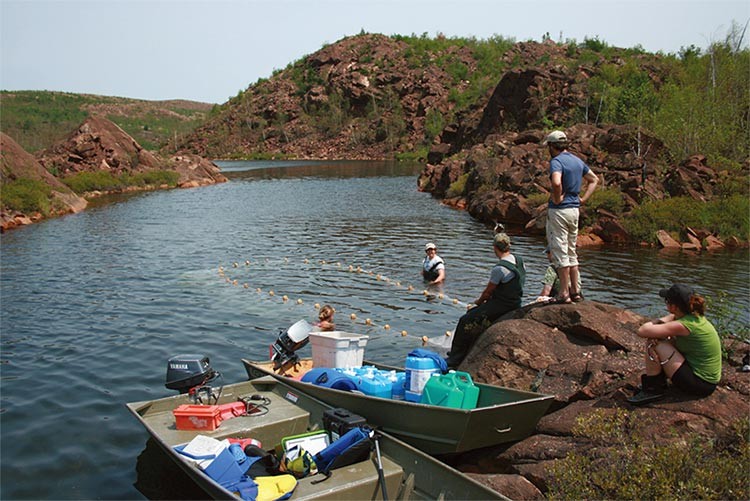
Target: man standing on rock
567,172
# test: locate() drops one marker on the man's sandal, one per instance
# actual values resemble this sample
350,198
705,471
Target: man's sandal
576,297
560,300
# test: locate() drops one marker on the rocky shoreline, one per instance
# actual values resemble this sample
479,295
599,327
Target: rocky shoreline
587,355
97,145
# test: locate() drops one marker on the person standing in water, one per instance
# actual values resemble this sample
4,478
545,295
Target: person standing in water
433,266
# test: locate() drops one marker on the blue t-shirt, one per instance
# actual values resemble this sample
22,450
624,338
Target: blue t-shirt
573,169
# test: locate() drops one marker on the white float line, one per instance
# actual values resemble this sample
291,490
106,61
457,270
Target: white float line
359,270
299,302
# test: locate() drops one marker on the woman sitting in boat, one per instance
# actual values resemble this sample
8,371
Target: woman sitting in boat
325,319
433,266
682,346
502,294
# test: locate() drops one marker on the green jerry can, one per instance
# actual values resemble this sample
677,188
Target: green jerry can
455,389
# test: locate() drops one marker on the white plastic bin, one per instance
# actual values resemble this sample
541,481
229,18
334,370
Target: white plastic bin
337,349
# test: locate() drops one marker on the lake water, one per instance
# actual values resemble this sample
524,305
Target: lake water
94,304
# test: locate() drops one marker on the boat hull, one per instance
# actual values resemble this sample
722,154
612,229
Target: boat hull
502,414
408,472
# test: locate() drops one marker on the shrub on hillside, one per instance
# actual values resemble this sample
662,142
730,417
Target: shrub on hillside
609,199
622,463
92,181
537,199
106,181
725,217
26,195
458,187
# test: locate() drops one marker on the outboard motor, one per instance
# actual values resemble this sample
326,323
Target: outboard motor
289,341
190,374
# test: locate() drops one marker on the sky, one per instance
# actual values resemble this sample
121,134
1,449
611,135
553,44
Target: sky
209,50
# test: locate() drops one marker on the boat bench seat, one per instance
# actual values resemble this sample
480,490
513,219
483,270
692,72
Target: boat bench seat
356,481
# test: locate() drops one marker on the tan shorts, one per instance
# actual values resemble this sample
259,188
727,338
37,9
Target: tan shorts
562,232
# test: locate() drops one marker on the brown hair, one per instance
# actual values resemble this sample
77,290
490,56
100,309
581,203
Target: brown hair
697,305
326,312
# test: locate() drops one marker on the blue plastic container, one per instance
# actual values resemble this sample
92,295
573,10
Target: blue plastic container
375,384
330,378
418,372
397,385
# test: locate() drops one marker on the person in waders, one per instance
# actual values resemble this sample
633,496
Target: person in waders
502,294
682,346
433,266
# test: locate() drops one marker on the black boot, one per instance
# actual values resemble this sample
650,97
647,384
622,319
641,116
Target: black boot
652,388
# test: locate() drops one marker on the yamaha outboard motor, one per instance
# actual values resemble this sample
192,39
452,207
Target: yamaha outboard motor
190,374
283,350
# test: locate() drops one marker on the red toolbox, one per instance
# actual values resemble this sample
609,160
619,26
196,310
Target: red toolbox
197,417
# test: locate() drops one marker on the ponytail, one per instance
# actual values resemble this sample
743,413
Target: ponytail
697,305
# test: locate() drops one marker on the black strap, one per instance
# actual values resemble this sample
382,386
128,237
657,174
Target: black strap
432,269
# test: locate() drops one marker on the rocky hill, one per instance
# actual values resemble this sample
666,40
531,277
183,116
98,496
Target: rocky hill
368,96
477,111
373,96
97,157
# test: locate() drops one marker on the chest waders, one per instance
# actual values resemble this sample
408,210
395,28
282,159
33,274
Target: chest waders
506,297
432,273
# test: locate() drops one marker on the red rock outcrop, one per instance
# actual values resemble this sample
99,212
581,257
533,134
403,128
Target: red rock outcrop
98,144
507,174
195,171
589,356
16,164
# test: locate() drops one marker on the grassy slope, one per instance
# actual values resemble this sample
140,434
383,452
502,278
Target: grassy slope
38,119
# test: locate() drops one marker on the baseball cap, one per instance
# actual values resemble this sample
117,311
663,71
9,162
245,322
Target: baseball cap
678,294
502,241
430,245
556,136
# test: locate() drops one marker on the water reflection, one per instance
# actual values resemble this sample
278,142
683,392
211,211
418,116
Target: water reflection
93,304
317,168
158,477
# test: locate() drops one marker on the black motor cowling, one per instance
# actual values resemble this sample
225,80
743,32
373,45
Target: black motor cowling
188,371
289,341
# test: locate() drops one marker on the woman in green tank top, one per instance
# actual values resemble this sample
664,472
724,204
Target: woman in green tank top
682,346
